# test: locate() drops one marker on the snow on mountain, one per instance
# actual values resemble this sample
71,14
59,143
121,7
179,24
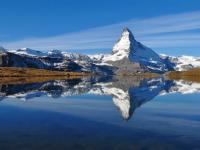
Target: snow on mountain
100,59
128,56
127,47
55,53
183,63
97,57
37,53
187,60
77,57
54,60
29,52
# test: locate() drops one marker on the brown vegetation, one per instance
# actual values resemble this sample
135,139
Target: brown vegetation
11,75
191,75
30,72
26,80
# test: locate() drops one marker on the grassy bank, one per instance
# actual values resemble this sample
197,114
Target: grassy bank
27,80
31,72
190,75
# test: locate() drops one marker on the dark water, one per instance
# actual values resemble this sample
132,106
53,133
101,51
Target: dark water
100,113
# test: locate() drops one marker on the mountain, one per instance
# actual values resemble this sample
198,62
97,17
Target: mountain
128,47
130,56
183,63
8,59
29,52
52,60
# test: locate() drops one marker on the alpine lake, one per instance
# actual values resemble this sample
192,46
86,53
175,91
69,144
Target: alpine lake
100,113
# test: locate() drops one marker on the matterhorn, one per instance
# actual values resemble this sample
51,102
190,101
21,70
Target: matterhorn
130,56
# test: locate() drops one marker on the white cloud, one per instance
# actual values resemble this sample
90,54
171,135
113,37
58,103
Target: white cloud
152,31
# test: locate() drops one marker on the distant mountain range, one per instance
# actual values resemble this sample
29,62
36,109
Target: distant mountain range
128,57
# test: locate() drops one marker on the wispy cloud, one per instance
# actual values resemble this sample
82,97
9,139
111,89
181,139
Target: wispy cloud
159,32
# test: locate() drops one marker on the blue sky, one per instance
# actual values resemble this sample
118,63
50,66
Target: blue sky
90,26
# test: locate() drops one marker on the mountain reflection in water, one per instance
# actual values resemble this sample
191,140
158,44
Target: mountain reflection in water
128,93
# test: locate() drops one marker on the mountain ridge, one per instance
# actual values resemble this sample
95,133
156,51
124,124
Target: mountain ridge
128,56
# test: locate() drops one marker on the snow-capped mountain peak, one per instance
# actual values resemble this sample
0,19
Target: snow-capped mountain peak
124,43
29,52
127,47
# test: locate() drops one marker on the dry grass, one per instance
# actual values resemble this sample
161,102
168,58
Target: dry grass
30,72
11,75
191,75
27,80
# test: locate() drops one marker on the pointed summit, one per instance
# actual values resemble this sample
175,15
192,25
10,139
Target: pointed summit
127,32
129,49
126,29
124,43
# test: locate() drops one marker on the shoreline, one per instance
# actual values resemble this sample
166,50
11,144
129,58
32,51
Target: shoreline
32,72
14,75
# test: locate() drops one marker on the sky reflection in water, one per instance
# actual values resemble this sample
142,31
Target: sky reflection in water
101,113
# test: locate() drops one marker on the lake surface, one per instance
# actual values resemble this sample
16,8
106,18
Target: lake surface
100,113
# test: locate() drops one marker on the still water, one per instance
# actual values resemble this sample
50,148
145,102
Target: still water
100,113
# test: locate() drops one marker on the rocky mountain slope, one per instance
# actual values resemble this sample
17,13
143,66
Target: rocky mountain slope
183,63
130,55
53,60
